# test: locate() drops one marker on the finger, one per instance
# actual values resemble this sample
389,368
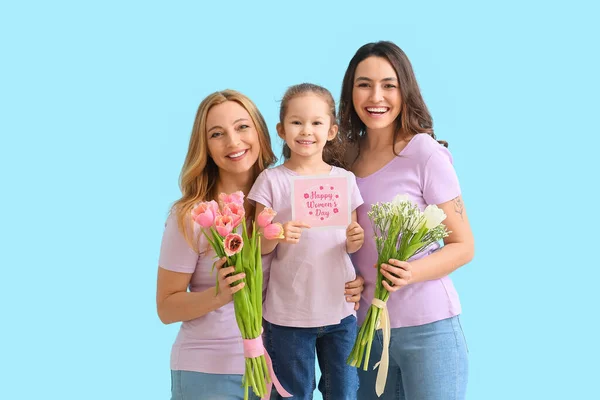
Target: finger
220,262
237,288
396,282
398,274
293,229
353,291
396,271
355,284
358,282
233,278
398,263
390,288
223,272
300,224
356,306
353,299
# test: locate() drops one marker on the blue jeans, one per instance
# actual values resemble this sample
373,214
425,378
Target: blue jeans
189,385
427,362
293,353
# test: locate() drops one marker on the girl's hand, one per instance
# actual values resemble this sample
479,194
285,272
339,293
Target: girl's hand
226,278
292,230
355,237
353,291
398,272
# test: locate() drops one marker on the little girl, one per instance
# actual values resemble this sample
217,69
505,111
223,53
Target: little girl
304,310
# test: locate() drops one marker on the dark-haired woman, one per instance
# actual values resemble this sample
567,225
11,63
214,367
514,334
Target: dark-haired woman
383,113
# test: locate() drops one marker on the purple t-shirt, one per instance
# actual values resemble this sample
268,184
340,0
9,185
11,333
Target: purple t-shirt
211,343
307,279
424,171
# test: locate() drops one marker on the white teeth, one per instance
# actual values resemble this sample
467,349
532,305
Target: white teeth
377,109
304,142
241,153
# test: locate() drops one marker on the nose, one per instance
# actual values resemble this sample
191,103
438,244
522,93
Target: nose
306,130
234,139
376,94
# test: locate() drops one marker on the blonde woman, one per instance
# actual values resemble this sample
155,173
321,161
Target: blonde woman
229,147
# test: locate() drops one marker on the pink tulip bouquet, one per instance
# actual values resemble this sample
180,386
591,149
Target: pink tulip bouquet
224,225
401,231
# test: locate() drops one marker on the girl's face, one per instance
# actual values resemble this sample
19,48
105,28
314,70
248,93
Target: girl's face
376,93
232,138
307,126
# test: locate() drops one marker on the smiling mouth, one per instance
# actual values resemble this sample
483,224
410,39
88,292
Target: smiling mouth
238,155
376,111
305,142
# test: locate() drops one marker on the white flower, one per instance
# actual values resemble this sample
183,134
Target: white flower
400,198
433,216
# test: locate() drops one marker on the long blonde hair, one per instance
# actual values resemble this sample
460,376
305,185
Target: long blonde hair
199,173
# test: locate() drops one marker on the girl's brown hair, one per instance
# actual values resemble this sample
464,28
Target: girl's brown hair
414,116
199,174
333,152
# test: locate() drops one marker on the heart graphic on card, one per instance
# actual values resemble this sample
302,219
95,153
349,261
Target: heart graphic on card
321,201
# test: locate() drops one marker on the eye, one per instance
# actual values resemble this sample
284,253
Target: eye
295,123
317,123
389,86
216,134
362,85
243,127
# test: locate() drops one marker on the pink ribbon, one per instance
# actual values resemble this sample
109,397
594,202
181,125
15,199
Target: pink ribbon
254,348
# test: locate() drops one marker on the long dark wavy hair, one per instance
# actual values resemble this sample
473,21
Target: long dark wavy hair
414,116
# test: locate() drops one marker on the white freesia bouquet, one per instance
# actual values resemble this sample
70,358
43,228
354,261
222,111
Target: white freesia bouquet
401,231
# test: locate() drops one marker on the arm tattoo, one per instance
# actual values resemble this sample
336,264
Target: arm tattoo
459,207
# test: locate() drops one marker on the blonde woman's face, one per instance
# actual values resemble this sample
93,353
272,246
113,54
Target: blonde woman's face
232,138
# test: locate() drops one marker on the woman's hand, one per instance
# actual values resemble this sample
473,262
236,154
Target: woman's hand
399,273
226,278
353,290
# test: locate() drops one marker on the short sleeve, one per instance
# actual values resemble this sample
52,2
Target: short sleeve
440,183
175,253
262,190
356,199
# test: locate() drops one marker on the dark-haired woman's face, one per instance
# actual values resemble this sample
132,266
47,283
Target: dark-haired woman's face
376,93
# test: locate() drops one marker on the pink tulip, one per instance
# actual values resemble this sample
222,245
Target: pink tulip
233,244
224,224
265,217
273,231
237,198
235,211
204,213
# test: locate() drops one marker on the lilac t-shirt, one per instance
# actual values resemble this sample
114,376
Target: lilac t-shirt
211,343
307,279
424,171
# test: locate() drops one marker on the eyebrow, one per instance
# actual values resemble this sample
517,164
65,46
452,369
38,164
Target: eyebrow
234,122
297,116
364,78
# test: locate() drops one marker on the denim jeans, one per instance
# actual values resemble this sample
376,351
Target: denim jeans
427,362
293,353
189,385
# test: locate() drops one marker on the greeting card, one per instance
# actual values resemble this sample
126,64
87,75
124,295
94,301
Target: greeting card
321,201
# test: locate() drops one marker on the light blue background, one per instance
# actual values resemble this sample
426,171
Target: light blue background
97,102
